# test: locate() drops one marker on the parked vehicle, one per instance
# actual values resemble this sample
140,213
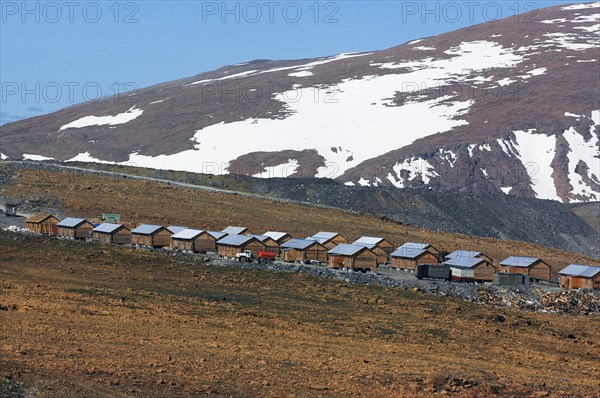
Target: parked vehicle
247,255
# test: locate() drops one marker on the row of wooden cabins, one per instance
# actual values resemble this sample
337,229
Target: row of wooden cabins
366,253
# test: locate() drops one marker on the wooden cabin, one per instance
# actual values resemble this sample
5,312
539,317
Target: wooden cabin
42,223
301,250
471,269
232,230
270,244
151,235
536,268
380,246
108,233
469,254
194,240
328,239
352,257
279,237
411,254
230,245
576,276
75,228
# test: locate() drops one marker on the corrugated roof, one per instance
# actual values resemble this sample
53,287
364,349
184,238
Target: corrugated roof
346,249
174,229
415,245
585,271
107,228
324,235
408,252
463,253
261,238
300,244
517,261
146,229
275,235
235,240
368,241
187,234
216,234
234,230
71,222
464,262
39,217
320,240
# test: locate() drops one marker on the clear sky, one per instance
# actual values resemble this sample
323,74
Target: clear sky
55,54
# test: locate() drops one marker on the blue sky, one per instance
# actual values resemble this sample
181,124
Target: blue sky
56,54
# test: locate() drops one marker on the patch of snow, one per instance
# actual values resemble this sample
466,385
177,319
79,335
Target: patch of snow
449,156
587,152
112,120
504,146
424,48
596,117
506,190
470,149
568,41
553,21
416,168
586,60
485,147
156,102
536,152
569,114
506,81
349,183
581,6
587,18
228,77
283,170
3,156
364,183
484,171
537,72
303,73
28,156
414,41
86,157
591,29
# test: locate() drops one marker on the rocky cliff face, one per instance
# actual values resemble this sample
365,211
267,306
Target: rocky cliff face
509,106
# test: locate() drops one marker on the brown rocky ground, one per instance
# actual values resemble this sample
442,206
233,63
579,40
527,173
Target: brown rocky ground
89,195
90,320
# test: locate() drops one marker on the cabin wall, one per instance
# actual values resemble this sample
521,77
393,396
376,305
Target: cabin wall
540,271
161,238
484,272
182,244
205,243
44,227
83,231
577,282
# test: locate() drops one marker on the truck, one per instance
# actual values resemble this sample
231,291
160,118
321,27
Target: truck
247,255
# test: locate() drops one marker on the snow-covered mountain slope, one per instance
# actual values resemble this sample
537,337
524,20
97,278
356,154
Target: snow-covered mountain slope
507,106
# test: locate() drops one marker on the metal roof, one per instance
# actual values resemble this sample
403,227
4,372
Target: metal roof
146,229
235,240
174,229
585,271
300,244
408,252
261,238
107,228
71,222
463,254
187,234
275,235
415,245
517,261
464,262
320,240
324,235
234,230
346,249
216,234
368,241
